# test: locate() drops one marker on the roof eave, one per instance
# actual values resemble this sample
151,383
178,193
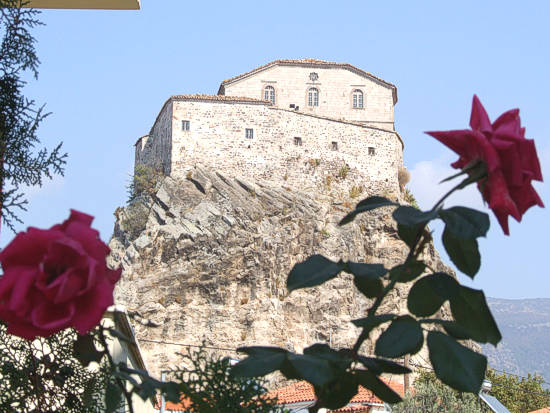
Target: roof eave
346,66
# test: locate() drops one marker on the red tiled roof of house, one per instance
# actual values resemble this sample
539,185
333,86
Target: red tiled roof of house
313,63
183,406
303,391
544,410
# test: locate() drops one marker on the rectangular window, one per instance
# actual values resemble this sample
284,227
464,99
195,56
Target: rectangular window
249,133
297,141
371,150
334,146
185,125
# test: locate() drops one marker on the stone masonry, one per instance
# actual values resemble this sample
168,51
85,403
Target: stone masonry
254,184
248,136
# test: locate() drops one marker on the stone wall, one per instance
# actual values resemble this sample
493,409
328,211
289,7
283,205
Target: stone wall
155,149
331,151
335,86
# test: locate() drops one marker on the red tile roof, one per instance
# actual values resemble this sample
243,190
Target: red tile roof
303,391
311,63
183,406
544,410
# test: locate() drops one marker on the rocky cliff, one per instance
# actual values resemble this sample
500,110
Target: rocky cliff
206,259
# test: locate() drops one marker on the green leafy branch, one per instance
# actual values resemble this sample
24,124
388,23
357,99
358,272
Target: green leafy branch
123,381
336,374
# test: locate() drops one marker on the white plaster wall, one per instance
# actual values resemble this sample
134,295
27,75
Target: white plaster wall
335,85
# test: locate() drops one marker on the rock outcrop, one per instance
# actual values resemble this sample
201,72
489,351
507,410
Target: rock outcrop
207,261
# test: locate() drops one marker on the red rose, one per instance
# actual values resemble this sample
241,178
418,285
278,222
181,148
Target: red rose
56,278
510,159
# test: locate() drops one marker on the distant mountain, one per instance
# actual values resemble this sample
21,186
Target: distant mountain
525,328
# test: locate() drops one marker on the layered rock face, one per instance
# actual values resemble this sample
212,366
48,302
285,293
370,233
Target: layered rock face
207,261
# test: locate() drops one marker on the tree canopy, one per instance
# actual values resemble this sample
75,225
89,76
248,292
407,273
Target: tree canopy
21,164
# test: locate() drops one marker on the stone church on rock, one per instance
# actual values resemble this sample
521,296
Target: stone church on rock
299,122
258,178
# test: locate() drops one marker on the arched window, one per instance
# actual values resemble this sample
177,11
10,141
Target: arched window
269,94
357,99
313,97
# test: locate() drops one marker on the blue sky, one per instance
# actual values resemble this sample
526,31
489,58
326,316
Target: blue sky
105,75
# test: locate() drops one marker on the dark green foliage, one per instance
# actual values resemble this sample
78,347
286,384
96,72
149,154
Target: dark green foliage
142,191
463,252
470,310
368,323
409,197
20,163
466,223
144,183
519,394
317,269
431,396
369,380
409,234
403,336
85,351
410,216
368,204
428,294
379,366
367,277
462,228
456,365
334,373
407,272
133,218
210,387
314,271
44,372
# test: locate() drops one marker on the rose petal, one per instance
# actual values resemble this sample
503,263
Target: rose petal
77,216
70,285
529,159
525,197
457,140
502,218
92,306
479,120
27,330
509,125
510,161
6,283
28,248
49,316
49,273
114,275
19,295
89,239
485,151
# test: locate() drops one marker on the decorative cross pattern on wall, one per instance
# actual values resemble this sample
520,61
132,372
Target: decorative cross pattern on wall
314,77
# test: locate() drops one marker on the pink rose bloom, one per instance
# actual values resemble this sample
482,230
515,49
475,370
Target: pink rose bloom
510,159
56,278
